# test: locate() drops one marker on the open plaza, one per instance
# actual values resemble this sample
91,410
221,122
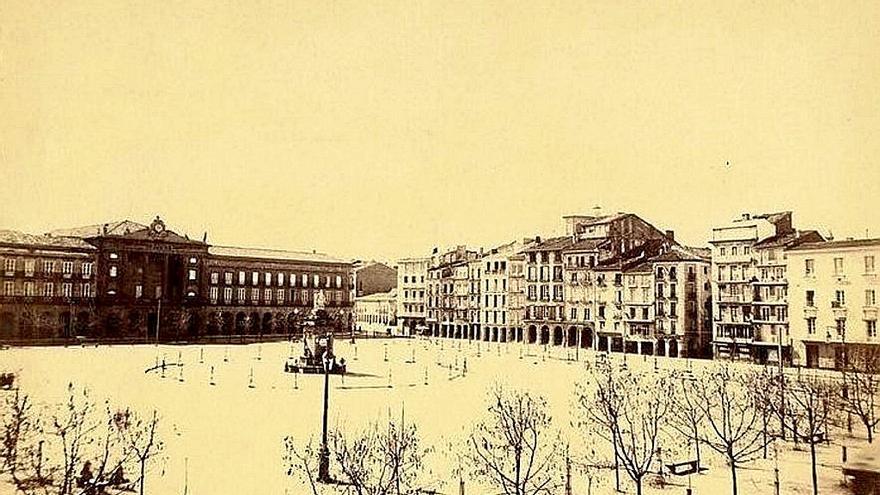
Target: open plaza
226,409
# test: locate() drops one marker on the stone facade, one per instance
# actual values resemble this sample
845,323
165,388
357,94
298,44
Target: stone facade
125,280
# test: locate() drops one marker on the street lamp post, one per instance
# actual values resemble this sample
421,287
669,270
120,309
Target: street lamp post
324,453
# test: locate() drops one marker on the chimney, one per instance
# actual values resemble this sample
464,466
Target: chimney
746,216
670,234
538,239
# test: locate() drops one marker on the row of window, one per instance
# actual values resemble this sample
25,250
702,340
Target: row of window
581,261
496,266
840,327
532,293
544,313
495,300
533,273
411,279
545,257
839,300
495,285
497,317
838,266
413,308
413,293
267,295
279,279
48,289
47,267
745,250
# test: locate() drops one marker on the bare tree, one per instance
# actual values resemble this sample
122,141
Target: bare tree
733,417
74,450
765,392
687,417
73,428
594,466
22,456
861,383
302,461
514,448
383,459
601,408
139,440
811,403
633,408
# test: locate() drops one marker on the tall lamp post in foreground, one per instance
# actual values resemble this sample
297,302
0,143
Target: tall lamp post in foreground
324,453
327,360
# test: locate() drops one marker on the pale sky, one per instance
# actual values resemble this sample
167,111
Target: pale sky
380,129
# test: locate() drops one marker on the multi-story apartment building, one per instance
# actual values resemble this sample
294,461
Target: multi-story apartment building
571,265
623,315
833,289
128,280
682,302
376,314
516,291
749,288
770,317
48,286
448,296
412,274
501,303
474,287
545,303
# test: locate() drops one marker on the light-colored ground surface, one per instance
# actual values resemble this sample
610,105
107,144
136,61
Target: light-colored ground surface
231,435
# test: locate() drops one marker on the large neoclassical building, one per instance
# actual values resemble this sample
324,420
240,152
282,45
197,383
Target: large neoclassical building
127,280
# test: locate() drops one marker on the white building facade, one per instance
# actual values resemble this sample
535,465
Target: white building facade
412,274
833,300
376,314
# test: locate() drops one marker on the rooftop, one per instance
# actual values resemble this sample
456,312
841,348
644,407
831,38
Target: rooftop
272,254
848,243
16,237
551,244
679,253
119,227
790,239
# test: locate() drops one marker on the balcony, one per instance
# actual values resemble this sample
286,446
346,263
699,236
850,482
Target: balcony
869,313
838,309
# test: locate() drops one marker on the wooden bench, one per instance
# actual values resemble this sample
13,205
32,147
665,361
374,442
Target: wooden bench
684,468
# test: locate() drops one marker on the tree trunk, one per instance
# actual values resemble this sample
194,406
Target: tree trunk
813,465
870,433
764,417
733,475
143,471
638,486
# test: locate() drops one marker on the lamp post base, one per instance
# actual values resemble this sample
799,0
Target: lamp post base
324,465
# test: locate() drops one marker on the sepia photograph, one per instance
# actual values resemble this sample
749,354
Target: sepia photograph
439,247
